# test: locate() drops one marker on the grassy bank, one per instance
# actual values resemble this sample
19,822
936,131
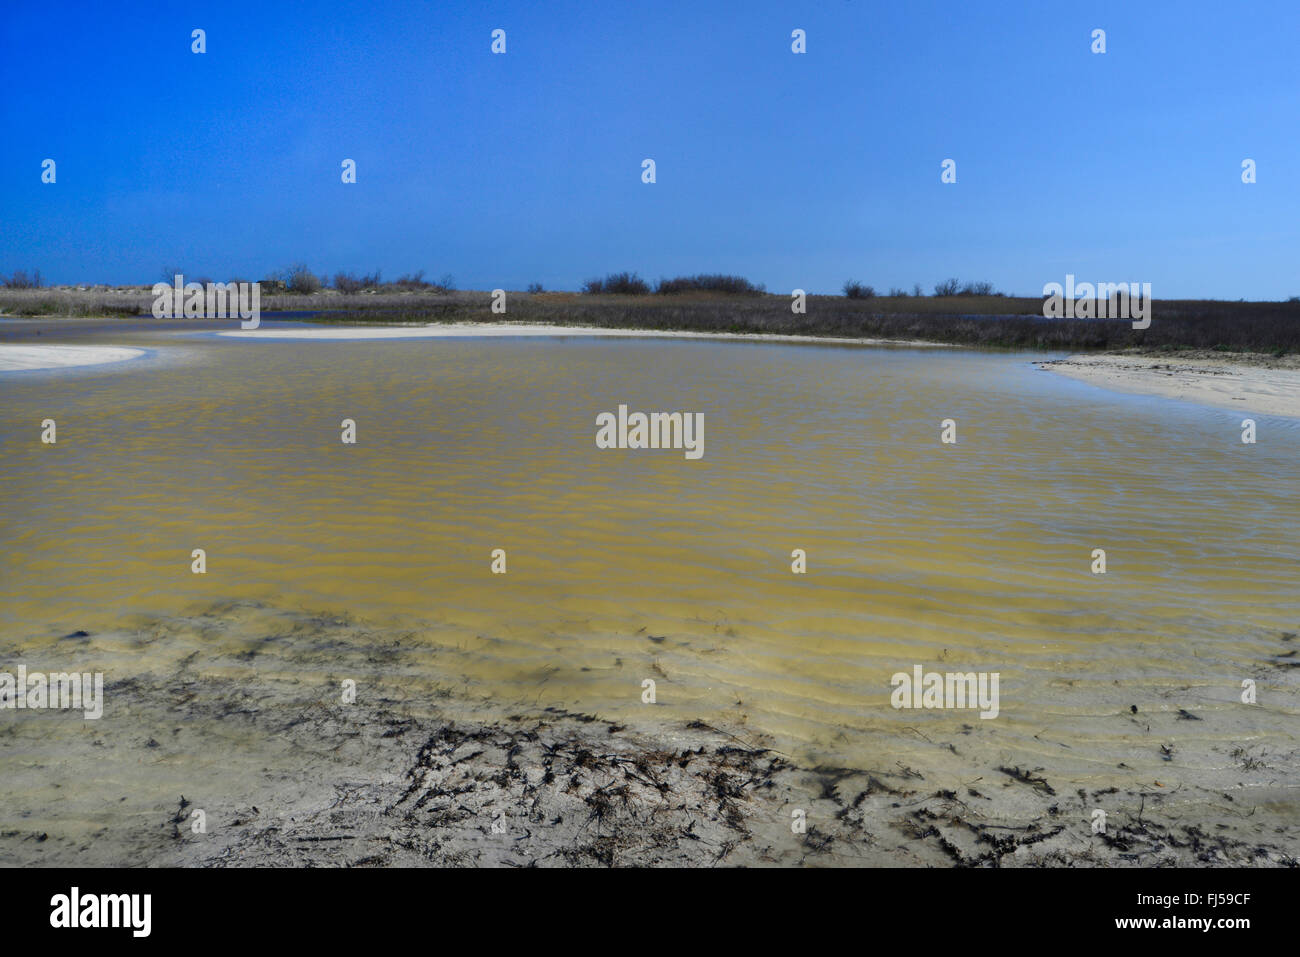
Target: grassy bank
988,321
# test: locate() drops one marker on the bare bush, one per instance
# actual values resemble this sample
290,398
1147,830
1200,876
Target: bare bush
20,280
347,283
299,279
619,283
412,281
710,282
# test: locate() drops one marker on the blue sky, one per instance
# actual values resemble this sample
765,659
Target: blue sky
793,170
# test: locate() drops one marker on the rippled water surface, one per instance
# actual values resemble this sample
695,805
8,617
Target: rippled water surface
627,565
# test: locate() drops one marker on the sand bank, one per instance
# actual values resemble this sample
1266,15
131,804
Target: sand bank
459,330
20,358
1258,384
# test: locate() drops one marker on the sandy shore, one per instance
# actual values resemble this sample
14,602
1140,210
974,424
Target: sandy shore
457,330
1259,384
561,789
286,773
20,358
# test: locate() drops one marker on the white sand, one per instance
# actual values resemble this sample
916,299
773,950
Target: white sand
1262,389
18,358
482,329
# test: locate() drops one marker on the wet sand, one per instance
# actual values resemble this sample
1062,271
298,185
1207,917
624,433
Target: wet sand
1249,383
286,773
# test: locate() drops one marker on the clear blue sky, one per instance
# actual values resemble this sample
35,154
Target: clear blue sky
793,170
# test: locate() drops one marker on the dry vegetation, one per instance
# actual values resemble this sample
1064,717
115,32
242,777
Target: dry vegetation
995,321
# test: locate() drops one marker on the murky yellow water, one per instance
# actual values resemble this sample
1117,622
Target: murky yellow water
973,557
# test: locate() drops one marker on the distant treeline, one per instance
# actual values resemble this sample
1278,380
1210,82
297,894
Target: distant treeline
301,280
958,313
949,287
630,284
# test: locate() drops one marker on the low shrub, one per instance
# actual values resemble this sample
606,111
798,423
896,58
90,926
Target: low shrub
710,282
618,284
301,280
